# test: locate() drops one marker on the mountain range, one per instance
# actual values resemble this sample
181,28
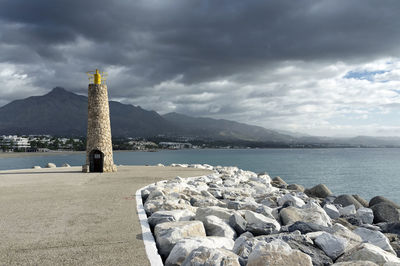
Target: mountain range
63,113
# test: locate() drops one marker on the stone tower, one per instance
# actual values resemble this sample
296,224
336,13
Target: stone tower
99,154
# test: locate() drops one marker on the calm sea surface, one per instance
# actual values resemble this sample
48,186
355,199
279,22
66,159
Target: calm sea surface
368,172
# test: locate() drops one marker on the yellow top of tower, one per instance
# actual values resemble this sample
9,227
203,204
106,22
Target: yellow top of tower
95,77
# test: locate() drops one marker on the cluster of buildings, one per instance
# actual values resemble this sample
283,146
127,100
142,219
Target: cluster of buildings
41,143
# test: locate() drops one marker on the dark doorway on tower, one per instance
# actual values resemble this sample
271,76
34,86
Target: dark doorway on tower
96,159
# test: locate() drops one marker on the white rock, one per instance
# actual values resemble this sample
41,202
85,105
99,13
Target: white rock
51,165
256,220
353,239
375,238
355,263
170,216
366,215
160,165
36,167
369,252
220,212
297,202
168,234
277,253
66,165
217,227
332,211
348,210
209,256
333,246
183,248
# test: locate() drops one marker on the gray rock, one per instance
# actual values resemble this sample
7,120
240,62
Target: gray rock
311,212
333,246
348,210
296,187
204,256
51,165
217,227
238,223
385,212
168,234
361,200
244,245
65,165
318,191
259,224
366,215
392,228
220,212
318,257
305,228
346,200
185,246
170,216
369,252
375,238
331,210
277,253
277,181
380,199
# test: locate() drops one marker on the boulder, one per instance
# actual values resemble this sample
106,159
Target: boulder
36,167
296,202
392,228
346,200
380,199
331,210
220,212
277,181
333,246
348,210
277,253
259,224
170,216
238,223
353,239
217,227
166,204
244,245
366,215
369,252
361,200
318,191
296,187
317,256
168,234
385,212
211,256
375,238
310,212
185,246
305,228
51,165
65,165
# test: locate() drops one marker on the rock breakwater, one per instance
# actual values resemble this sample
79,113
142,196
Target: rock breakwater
237,217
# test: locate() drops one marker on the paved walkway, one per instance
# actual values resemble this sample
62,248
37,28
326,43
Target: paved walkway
64,217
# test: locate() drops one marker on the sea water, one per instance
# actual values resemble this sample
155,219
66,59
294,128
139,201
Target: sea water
367,172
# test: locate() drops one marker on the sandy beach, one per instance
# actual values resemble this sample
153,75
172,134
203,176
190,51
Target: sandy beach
61,216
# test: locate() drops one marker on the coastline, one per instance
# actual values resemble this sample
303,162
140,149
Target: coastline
32,154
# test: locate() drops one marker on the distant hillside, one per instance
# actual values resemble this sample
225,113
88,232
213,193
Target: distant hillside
64,113
224,129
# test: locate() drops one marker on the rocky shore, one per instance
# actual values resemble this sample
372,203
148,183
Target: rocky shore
236,217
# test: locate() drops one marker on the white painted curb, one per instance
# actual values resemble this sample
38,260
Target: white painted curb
148,239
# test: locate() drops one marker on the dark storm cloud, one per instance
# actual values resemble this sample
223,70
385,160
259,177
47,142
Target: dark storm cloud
201,40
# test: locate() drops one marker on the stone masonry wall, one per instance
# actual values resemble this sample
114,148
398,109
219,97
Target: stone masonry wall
99,129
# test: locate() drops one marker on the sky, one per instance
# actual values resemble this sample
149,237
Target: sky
317,67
